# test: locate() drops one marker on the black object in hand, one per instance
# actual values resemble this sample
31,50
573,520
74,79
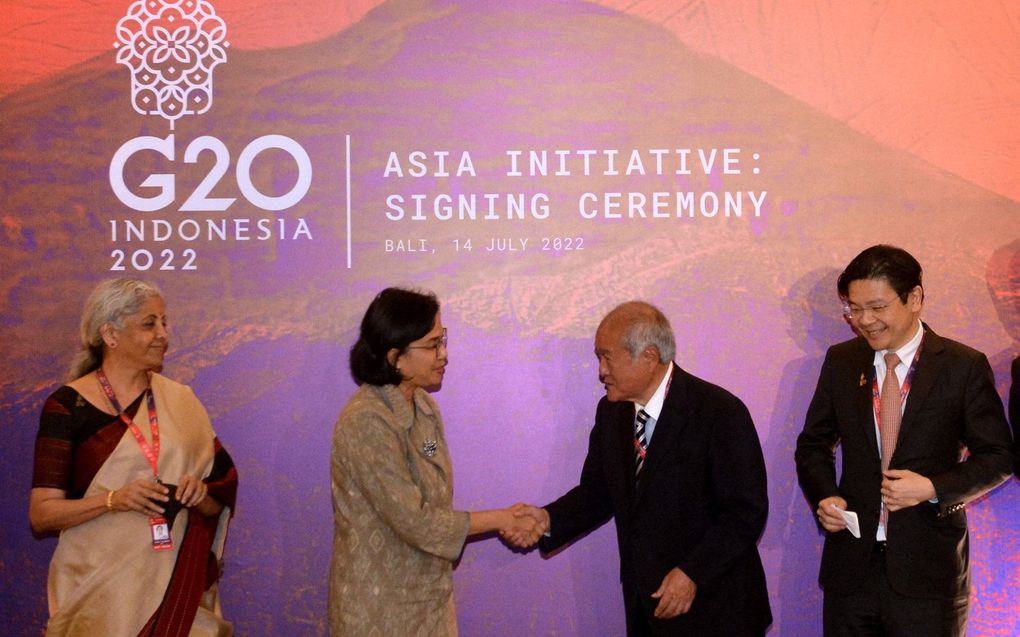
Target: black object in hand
172,506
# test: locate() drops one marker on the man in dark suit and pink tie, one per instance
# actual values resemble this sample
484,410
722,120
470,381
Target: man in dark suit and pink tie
922,433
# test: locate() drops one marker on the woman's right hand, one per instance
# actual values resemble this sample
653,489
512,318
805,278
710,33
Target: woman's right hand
50,510
143,495
526,525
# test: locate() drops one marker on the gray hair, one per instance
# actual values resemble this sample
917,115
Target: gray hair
109,304
644,325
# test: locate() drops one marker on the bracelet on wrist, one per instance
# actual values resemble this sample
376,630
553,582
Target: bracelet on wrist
109,500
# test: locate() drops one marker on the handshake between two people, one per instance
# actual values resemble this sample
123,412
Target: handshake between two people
522,525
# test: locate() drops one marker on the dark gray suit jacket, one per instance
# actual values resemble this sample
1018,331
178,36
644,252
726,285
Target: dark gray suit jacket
952,404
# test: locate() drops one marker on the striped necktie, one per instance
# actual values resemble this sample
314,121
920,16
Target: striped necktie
640,444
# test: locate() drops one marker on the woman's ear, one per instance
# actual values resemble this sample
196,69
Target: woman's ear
393,356
109,335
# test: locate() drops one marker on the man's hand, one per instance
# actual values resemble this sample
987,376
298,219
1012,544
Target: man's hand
902,489
830,519
528,526
675,594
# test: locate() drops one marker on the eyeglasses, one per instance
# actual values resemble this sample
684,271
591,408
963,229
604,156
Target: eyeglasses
434,344
857,313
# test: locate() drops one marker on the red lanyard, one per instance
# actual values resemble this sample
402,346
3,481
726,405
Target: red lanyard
904,390
151,453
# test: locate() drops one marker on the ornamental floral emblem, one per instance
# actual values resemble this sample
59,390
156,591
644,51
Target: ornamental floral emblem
171,47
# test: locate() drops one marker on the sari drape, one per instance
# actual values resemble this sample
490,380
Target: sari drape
105,578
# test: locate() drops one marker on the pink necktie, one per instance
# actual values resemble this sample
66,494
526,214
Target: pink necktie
889,415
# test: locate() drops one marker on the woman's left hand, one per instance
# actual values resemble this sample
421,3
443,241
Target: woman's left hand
191,490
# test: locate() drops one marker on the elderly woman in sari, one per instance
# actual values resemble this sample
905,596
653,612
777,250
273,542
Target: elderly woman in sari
396,534
129,471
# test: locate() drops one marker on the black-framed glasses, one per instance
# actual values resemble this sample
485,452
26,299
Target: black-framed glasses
434,344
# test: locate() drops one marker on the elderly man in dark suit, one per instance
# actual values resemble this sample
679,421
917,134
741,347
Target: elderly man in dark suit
902,403
677,463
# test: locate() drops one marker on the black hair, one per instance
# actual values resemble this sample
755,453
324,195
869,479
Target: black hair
893,264
396,318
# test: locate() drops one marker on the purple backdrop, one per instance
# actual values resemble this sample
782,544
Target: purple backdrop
261,327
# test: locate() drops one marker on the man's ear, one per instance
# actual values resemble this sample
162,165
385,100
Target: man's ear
916,298
651,354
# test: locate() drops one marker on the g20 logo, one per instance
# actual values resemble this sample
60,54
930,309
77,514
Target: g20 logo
171,48
199,200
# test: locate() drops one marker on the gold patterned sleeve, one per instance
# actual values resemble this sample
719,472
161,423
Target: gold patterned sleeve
371,469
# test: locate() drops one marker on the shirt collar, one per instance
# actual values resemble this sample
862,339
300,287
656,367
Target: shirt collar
654,406
402,409
906,353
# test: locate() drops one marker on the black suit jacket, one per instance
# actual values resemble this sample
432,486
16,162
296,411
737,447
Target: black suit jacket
1014,413
952,404
701,505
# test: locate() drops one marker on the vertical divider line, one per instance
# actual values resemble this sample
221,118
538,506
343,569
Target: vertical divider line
347,164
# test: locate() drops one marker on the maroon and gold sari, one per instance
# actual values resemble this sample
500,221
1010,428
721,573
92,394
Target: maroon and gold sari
105,578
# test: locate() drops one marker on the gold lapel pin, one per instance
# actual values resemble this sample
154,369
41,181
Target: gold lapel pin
863,381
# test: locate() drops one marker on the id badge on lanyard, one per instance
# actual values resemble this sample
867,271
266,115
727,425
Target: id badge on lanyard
159,528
